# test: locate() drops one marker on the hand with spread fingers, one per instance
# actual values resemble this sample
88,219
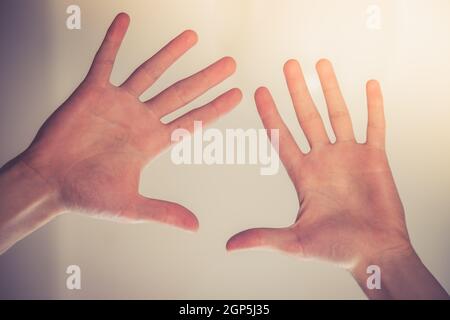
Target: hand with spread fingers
89,154
350,212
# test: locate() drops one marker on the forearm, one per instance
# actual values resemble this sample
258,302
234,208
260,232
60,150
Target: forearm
403,276
27,202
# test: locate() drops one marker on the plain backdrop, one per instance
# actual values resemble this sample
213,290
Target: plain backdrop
42,62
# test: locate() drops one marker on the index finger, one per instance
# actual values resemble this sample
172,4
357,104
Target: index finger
289,152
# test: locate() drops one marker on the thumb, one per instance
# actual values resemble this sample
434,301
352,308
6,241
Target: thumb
282,239
146,209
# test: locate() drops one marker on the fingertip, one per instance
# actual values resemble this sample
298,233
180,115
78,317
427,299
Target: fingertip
323,63
122,19
232,96
231,244
237,94
230,64
244,240
190,36
290,65
118,27
260,92
229,60
193,226
263,98
178,216
372,85
231,99
190,221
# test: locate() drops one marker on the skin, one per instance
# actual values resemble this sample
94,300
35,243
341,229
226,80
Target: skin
89,154
350,213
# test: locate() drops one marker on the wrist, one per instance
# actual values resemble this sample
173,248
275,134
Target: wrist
382,257
402,275
387,262
27,200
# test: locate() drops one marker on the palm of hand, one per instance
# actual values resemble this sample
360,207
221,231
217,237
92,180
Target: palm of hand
348,201
113,136
93,148
346,195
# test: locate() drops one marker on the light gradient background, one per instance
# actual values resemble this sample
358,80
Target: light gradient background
42,62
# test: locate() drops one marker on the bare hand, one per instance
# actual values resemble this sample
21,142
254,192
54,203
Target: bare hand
349,208
92,149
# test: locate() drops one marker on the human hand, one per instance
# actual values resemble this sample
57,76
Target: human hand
92,149
349,208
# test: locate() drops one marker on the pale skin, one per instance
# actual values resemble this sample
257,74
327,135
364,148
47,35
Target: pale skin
89,154
350,213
